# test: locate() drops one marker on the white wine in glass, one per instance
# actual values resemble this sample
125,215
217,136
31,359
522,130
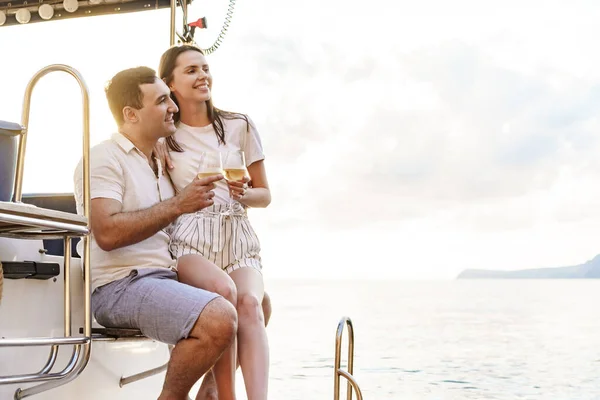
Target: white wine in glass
207,173
211,164
235,174
234,166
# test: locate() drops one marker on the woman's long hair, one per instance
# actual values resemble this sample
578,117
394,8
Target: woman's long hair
168,61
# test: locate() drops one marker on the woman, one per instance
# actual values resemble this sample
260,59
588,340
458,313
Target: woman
222,249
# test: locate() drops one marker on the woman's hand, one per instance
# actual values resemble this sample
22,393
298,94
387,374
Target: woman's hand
161,151
238,189
258,195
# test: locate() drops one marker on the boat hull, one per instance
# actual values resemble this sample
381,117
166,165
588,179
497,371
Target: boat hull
35,308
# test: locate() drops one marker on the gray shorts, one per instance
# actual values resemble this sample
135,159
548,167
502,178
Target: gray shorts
153,301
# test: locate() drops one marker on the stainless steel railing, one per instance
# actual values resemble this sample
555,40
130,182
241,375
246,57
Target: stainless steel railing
337,370
81,345
126,380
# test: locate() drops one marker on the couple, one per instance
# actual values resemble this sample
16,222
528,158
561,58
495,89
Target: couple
159,266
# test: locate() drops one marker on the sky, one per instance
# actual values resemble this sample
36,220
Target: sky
404,140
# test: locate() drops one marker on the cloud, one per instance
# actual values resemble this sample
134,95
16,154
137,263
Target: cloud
446,129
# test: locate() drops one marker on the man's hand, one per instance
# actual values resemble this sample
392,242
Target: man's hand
198,194
161,151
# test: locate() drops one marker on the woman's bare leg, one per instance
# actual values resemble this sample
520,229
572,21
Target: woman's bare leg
208,389
253,346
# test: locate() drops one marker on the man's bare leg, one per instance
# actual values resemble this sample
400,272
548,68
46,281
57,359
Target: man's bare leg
196,271
208,389
214,331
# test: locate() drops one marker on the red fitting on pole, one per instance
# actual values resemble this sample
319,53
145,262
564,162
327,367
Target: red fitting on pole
201,23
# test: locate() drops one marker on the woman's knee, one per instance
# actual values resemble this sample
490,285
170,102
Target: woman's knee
249,308
227,289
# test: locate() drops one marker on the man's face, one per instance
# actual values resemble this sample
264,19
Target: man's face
156,115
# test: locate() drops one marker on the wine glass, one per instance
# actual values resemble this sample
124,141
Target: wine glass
211,164
234,165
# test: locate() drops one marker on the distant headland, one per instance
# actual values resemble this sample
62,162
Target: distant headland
587,270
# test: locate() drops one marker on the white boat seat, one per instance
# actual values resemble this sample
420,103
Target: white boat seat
10,128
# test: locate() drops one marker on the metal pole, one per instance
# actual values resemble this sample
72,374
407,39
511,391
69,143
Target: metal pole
67,289
172,32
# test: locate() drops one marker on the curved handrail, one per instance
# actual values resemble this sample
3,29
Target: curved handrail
337,371
28,378
72,371
82,349
51,360
18,187
351,381
86,175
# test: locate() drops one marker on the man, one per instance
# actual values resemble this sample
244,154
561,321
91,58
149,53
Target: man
134,277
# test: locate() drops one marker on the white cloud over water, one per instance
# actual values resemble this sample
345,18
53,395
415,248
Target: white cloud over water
404,139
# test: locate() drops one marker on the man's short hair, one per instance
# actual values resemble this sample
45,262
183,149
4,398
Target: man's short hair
124,90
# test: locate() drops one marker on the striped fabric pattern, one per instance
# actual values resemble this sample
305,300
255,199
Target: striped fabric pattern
228,241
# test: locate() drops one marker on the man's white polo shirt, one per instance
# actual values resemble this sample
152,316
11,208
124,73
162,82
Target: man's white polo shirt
120,171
